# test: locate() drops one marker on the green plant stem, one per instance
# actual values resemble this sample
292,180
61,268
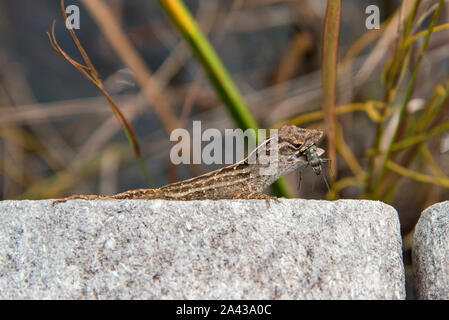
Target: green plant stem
219,77
406,99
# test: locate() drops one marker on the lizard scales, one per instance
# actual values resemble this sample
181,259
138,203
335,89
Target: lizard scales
242,180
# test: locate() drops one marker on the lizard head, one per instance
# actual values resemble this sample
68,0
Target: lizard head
298,138
292,143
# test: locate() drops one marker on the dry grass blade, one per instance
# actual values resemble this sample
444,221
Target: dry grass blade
61,52
402,112
417,176
91,74
124,48
83,52
371,108
411,141
329,72
348,155
84,71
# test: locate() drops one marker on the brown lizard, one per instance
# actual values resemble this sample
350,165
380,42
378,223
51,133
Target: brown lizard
296,148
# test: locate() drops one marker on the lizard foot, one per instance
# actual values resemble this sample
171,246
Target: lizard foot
255,195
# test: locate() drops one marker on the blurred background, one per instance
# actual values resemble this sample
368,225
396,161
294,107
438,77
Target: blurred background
59,135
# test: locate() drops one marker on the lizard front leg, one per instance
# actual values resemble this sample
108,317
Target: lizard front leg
245,195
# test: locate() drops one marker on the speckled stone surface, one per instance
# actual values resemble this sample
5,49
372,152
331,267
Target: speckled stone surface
431,253
228,249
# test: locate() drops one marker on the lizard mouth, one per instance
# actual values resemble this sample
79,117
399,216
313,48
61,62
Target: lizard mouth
301,156
298,157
